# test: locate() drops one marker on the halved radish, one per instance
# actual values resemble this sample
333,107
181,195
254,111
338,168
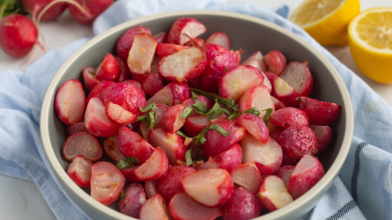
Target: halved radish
242,205
256,60
171,119
89,77
211,188
197,150
275,134
278,104
275,61
151,188
267,157
237,80
324,136
206,101
160,111
298,76
306,174
83,144
289,116
79,170
173,93
137,84
194,125
282,91
96,121
319,113
129,173
219,38
164,50
130,144
183,207
284,173
298,141
132,202
227,160
248,176
154,167
255,126
195,42
172,144
154,208
107,182
258,97
111,148
118,114
125,42
184,65
170,184
184,28
124,73
70,102
108,69
274,194
76,128
142,53
98,89
161,37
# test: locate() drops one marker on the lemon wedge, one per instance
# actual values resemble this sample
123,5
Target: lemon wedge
370,42
326,20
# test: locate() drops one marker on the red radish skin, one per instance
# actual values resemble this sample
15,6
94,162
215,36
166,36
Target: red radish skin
306,174
284,173
283,91
137,84
111,148
96,121
298,76
172,144
288,160
184,65
89,77
164,50
274,194
267,157
247,176
70,102
237,80
189,26
207,102
98,89
124,73
133,201
255,126
108,69
289,116
256,60
76,128
170,184
118,114
194,125
130,144
155,208
107,182
197,150
275,61
142,53
211,188
171,119
129,174
151,188
183,207
324,136
196,82
161,37
79,170
257,97
82,144
34,8
243,205
126,40
18,35
173,93
219,38
227,160
153,83
298,141
278,104
276,133
319,113
154,167
216,143
195,42
94,7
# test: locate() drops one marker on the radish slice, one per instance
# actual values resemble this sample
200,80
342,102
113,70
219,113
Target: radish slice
137,84
142,53
278,104
274,194
151,188
226,160
183,207
275,61
118,114
155,208
98,89
76,128
195,42
154,167
130,144
125,42
242,205
96,121
298,76
256,60
70,102
82,144
171,120
133,201
289,116
111,148
109,69
324,136
319,113
194,125
173,93
284,173
298,141
164,50
89,77
79,170
182,27
258,97
219,38
248,176
153,83
255,126
283,91
107,182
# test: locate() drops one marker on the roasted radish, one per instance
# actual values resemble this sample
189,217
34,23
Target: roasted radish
134,198
124,73
129,173
219,38
76,128
164,50
154,208
289,116
227,160
109,69
125,42
79,170
170,184
98,89
298,76
82,144
111,148
248,176
142,53
278,104
242,205
255,126
319,113
130,144
283,91
324,136
172,120
70,102
161,37
96,121
173,93
297,141
274,194
183,29
90,78
154,167
194,125
151,188
257,97
275,61
284,173
256,60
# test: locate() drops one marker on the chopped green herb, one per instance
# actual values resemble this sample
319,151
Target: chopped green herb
127,162
227,68
267,115
228,103
122,195
142,118
253,111
219,129
199,139
235,114
151,120
149,107
188,157
200,108
181,134
194,97
216,110
168,104
206,94
187,112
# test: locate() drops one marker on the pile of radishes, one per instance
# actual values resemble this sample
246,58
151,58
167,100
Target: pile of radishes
232,145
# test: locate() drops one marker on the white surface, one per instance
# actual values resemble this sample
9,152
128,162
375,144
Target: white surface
21,199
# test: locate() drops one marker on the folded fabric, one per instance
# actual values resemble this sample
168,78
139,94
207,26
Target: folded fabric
362,190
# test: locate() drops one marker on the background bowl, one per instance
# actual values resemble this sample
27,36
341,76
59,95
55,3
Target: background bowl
245,32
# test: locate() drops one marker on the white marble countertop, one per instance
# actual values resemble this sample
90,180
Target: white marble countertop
22,200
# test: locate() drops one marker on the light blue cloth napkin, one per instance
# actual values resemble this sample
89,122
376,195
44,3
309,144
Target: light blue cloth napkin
363,189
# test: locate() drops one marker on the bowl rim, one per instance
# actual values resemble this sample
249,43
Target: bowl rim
303,201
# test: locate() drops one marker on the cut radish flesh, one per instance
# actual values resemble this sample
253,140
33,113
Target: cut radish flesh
274,194
284,173
298,76
151,188
118,114
170,184
133,201
275,61
324,136
289,116
319,113
258,97
248,176
242,205
155,208
298,141
267,157
219,38
82,144
305,175
161,37
237,80
184,28
278,104
124,73
227,160
195,42
79,170
184,65
109,69
171,119
183,207
129,173
154,167
96,121
255,126
125,42
256,60
164,50
194,125
89,77
70,102
173,93
111,148
107,182
142,53
130,144
76,128
283,91
211,188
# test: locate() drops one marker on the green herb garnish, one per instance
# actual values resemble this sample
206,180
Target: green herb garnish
187,112
267,115
127,162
